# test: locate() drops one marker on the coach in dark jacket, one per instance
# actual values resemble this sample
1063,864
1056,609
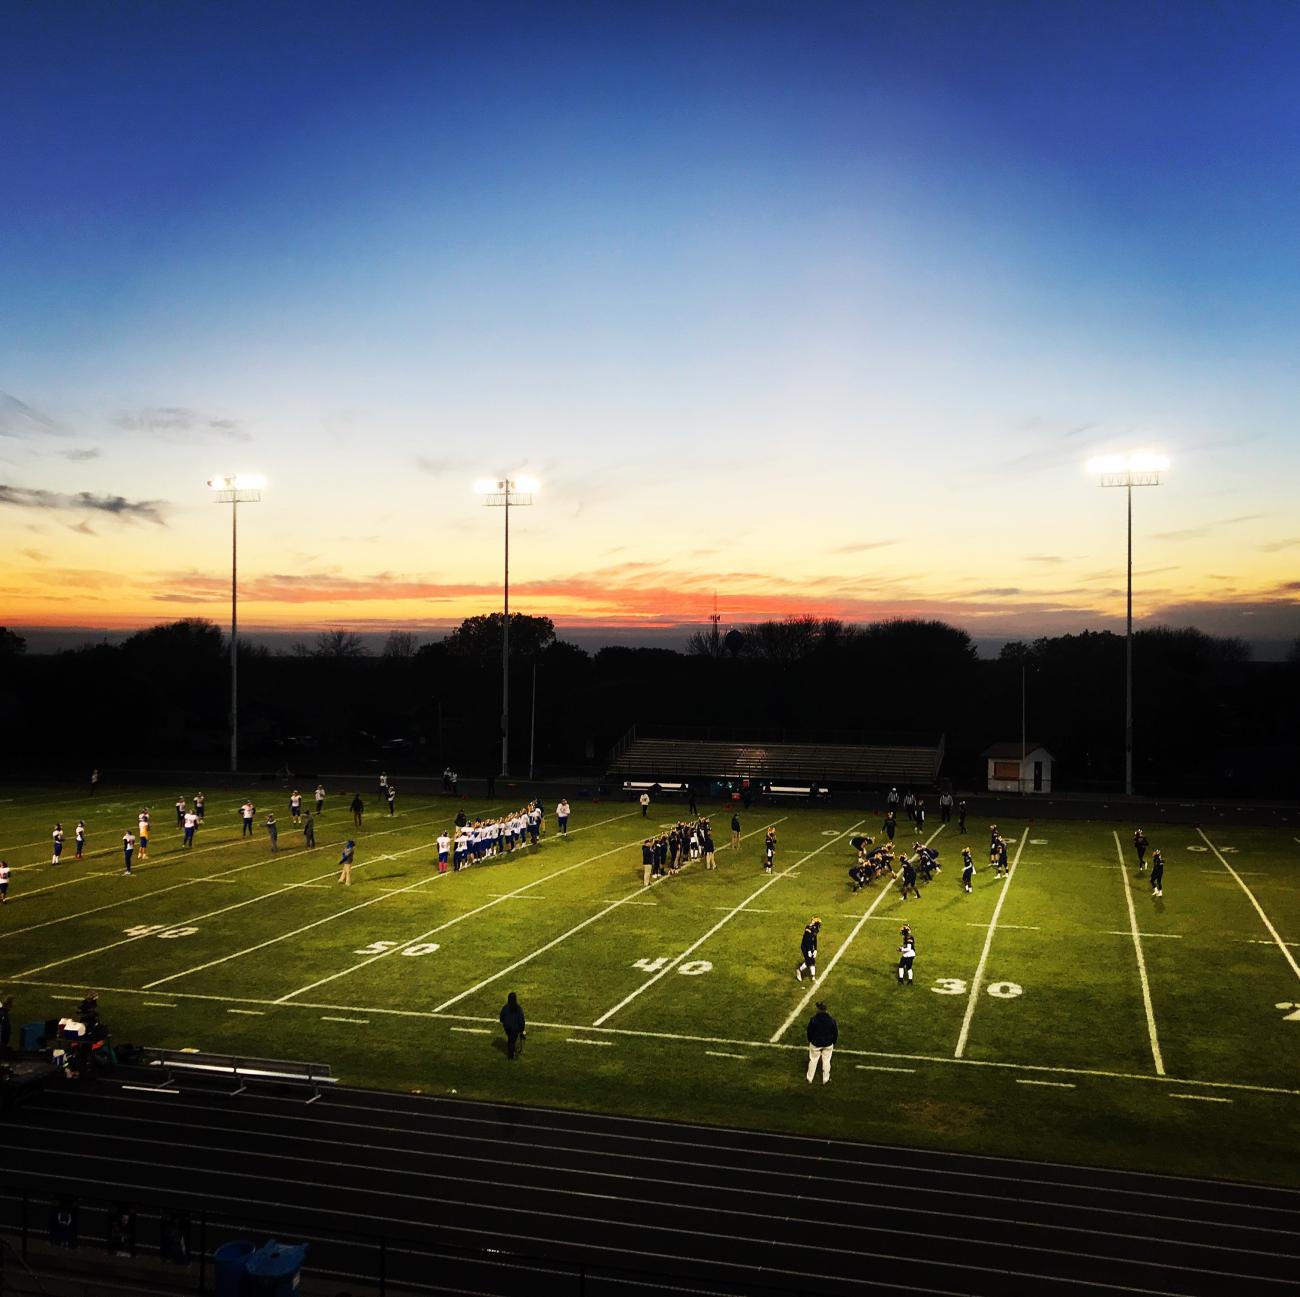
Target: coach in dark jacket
823,1035
512,1019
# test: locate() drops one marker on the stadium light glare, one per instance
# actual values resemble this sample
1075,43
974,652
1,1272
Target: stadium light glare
1129,469
504,493
235,489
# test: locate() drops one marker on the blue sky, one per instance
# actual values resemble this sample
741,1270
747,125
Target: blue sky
788,301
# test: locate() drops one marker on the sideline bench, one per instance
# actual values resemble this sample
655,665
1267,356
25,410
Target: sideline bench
243,1071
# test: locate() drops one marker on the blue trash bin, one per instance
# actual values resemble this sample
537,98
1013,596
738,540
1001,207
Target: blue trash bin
276,1268
229,1261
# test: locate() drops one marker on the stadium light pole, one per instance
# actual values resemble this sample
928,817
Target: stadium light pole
235,489
1134,468
505,493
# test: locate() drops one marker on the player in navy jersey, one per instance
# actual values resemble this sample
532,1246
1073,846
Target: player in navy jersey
79,838
808,951
769,849
967,868
1140,846
57,837
1157,873
128,849
908,882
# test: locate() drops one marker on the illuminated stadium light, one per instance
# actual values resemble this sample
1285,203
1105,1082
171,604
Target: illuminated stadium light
1130,469
235,489
506,493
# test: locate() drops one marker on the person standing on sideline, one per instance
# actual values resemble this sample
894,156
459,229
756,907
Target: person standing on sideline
967,868
945,806
320,798
4,886
735,830
961,816
562,816
94,781
57,843
1157,873
272,831
128,849
383,785
808,949
345,862
906,956
769,849
644,799
198,806
1140,846
512,1019
246,815
180,811
143,830
309,830
692,807
710,855
392,799
295,806
357,807
823,1036
191,823
79,838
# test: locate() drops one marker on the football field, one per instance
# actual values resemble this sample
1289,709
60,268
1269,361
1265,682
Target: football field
1063,1013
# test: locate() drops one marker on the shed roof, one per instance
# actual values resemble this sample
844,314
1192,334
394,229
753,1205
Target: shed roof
1010,751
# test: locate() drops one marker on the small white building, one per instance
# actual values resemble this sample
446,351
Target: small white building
1013,769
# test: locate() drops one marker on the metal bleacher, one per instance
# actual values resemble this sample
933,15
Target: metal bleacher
842,764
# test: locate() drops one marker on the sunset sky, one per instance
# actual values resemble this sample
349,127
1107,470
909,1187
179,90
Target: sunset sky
821,307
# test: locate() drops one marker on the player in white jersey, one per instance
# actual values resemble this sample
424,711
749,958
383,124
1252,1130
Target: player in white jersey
444,847
128,849
4,881
191,823
562,816
79,838
462,848
57,844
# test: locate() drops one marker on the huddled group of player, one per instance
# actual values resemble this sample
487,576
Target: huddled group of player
472,842
667,851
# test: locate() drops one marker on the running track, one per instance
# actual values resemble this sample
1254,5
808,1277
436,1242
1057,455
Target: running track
492,1199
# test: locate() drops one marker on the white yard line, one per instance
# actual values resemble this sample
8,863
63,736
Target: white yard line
1154,1038
157,1004
717,927
1021,927
564,936
977,983
714,1053
816,987
358,1022
1056,1085
473,1031
579,1040
880,1067
1259,909
1201,1098
460,918
306,927
79,988
250,1013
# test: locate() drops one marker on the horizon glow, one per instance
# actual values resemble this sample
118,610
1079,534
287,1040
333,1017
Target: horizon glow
817,310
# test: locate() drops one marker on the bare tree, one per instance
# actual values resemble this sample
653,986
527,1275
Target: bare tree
400,644
339,644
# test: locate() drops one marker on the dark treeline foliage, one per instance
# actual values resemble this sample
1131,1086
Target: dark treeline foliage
1207,719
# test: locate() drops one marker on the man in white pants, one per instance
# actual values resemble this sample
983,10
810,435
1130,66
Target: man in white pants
822,1036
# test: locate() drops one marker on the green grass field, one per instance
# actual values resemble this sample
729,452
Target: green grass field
1063,1014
